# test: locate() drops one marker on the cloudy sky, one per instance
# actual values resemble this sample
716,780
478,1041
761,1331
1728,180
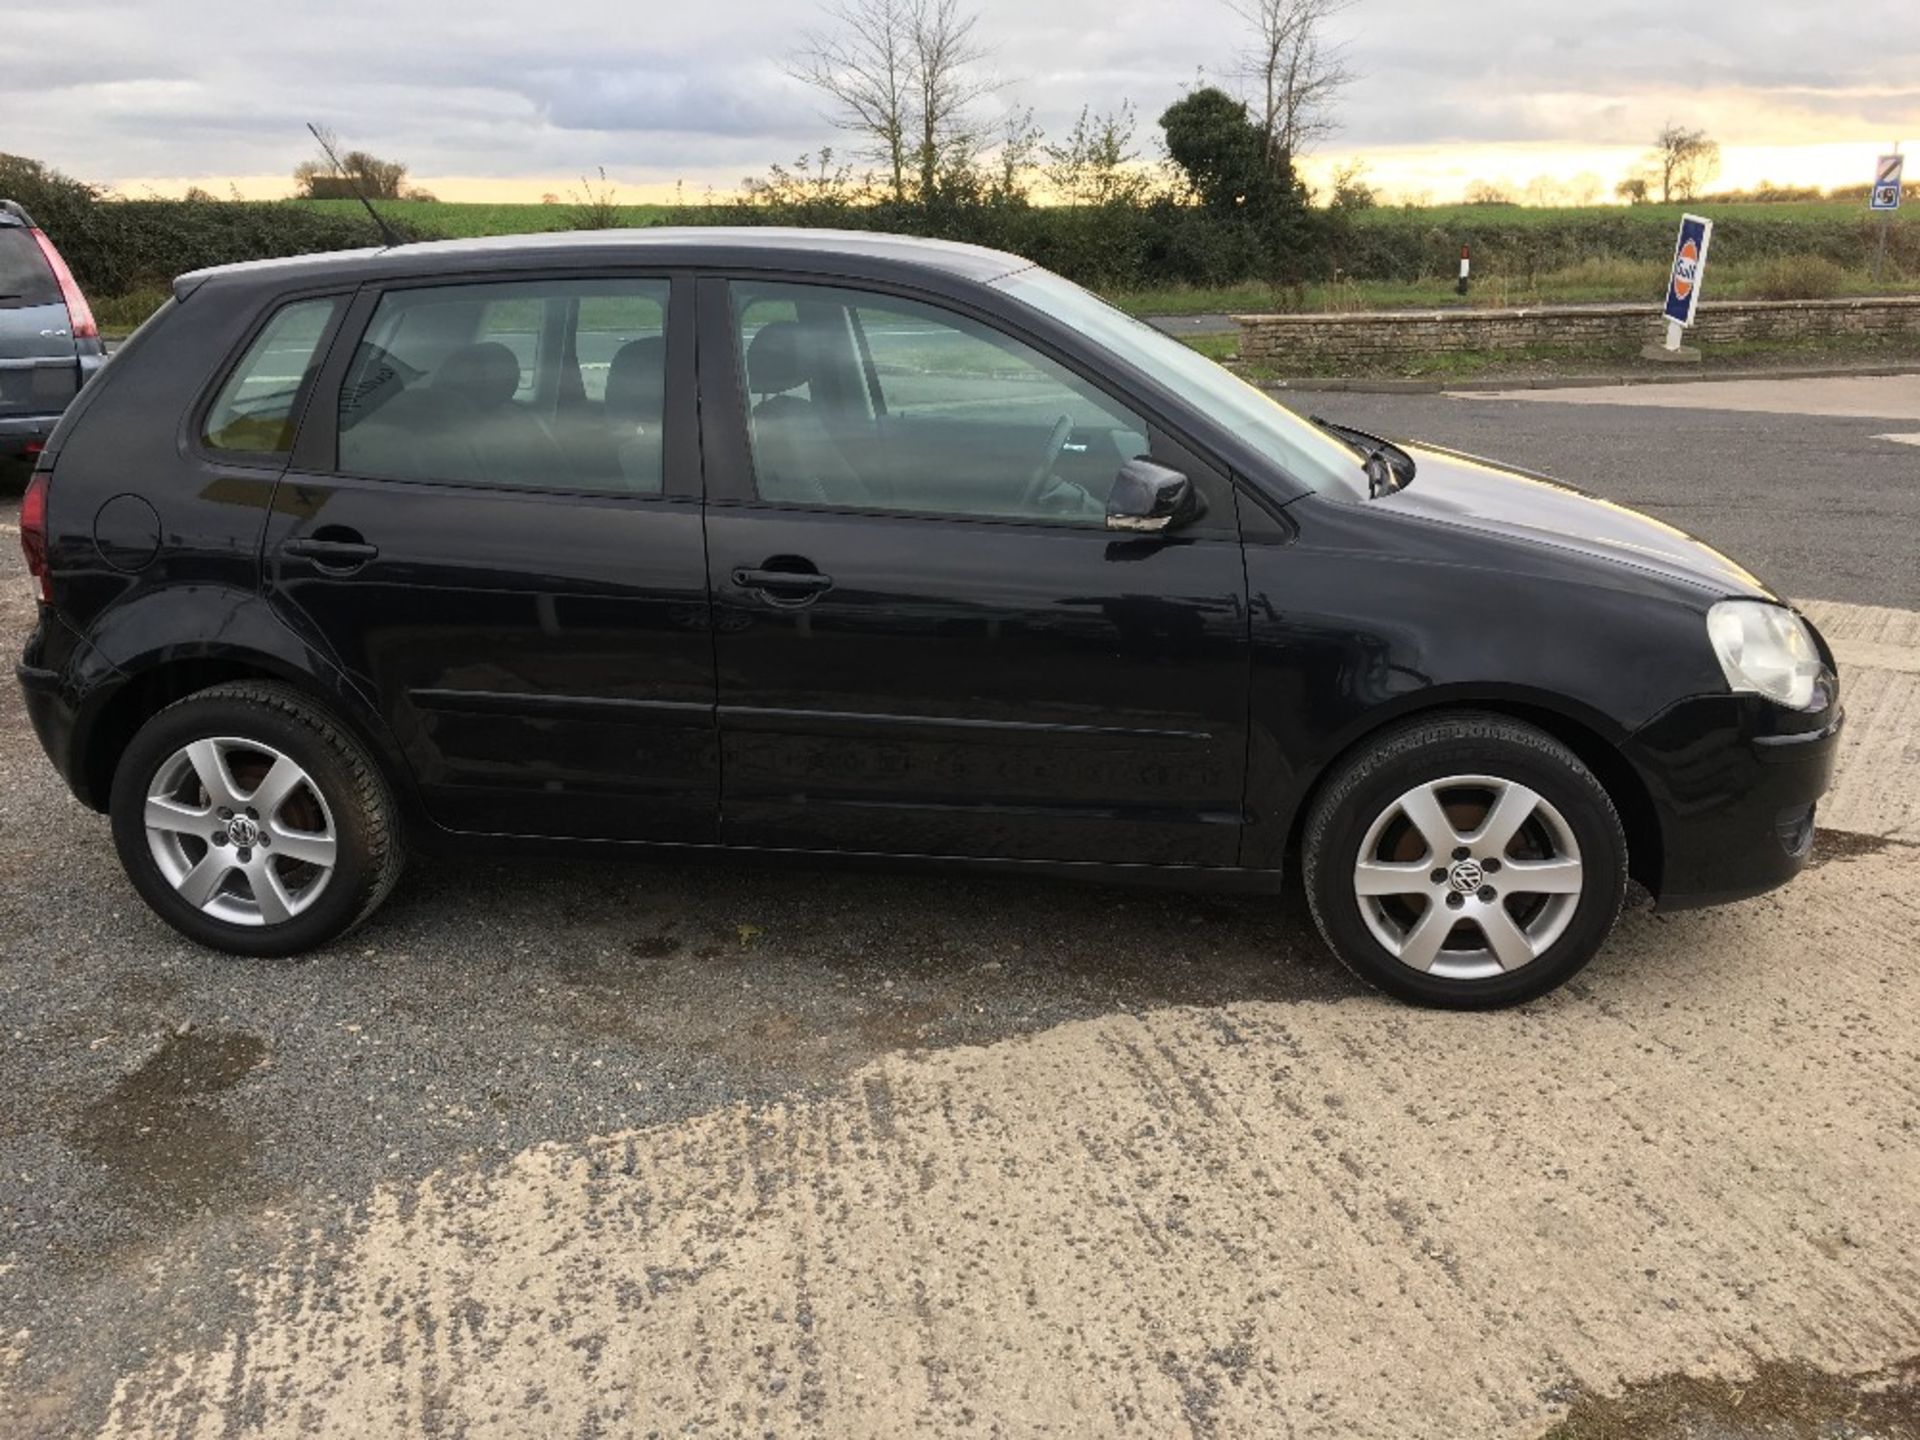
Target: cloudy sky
487,101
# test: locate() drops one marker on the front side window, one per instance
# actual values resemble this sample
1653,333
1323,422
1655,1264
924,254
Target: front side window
1304,451
540,384
254,411
868,401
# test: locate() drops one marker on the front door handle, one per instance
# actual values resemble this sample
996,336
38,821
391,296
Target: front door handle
795,581
343,550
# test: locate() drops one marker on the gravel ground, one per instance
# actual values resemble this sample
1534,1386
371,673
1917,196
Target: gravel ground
584,1149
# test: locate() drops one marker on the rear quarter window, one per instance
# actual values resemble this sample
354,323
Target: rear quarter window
25,278
255,409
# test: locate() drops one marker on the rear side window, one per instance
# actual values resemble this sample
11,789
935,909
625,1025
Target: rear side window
25,278
526,384
254,411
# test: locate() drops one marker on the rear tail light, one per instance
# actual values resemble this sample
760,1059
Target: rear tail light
79,313
33,534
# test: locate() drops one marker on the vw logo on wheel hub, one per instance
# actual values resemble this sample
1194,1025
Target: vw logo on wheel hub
243,831
1466,877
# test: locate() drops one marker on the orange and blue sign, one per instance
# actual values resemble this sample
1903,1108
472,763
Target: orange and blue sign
1689,266
1886,183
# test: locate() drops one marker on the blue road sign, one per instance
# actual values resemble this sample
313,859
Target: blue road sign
1689,264
1886,183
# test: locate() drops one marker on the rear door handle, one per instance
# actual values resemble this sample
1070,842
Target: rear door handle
798,580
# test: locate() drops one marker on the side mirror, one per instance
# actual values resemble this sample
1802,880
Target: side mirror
1149,498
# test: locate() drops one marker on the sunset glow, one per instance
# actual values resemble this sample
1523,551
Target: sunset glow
1542,173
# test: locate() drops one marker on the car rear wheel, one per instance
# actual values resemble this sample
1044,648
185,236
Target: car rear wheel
251,822
1466,861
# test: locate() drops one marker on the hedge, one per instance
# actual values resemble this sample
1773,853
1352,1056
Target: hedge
118,246
1108,247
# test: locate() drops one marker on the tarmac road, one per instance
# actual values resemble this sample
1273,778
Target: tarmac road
1796,479
594,1149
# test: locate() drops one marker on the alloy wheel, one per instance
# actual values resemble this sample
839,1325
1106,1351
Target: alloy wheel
1468,877
240,830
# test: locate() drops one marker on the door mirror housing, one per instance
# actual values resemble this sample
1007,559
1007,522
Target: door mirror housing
1147,499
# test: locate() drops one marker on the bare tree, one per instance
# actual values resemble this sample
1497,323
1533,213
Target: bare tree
321,167
900,74
864,64
945,55
1683,161
320,179
1295,72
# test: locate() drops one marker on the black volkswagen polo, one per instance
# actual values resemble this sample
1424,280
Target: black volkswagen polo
862,546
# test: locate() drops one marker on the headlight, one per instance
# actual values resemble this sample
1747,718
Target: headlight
1768,650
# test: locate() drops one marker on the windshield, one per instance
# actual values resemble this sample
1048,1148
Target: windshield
1306,453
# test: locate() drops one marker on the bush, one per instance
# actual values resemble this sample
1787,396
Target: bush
1120,246
1410,244
594,209
1799,277
118,313
53,199
120,246
117,247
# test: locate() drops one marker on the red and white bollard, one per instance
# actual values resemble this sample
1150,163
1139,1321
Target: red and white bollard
1466,267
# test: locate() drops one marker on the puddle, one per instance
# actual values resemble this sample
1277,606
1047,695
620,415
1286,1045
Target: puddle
162,1132
1782,1401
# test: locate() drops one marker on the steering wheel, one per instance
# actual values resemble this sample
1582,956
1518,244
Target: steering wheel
1043,472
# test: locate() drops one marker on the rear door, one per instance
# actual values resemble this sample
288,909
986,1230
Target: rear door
492,525
927,640
39,365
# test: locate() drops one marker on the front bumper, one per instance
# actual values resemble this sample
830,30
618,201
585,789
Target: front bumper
1734,780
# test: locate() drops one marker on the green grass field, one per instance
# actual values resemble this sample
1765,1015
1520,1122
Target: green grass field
1664,217
460,222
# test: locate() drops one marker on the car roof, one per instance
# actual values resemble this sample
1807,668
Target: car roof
848,252
12,212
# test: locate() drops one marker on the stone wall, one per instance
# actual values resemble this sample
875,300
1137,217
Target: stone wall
1308,340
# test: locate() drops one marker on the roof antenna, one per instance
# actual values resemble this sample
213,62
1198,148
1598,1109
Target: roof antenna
387,232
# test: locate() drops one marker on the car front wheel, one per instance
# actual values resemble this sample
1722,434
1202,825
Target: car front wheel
1466,861
251,822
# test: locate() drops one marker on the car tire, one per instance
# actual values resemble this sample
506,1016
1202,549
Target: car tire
1531,879
252,822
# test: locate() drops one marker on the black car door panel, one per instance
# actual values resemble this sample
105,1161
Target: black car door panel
927,642
972,688
542,655
543,660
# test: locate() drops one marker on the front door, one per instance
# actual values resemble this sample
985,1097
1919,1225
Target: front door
492,525
927,641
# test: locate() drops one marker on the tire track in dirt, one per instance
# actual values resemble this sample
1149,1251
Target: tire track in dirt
1319,1219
